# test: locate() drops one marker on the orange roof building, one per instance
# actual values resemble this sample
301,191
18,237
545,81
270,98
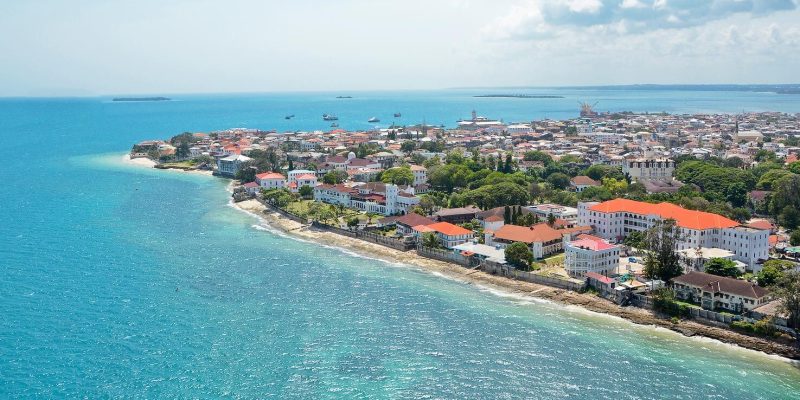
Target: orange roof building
616,219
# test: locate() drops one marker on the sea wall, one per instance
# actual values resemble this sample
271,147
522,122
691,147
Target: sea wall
511,272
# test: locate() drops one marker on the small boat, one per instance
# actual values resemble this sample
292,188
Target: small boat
374,119
289,116
397,115
329,117
334,125
344,97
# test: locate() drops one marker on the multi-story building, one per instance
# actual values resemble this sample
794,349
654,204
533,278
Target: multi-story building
271,180
375,197
649,169
449,235
719,292
615,219
590,254
558,211
542,239
229,165
301,177
420,175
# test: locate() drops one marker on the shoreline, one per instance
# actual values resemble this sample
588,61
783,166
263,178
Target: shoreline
479,278
146,162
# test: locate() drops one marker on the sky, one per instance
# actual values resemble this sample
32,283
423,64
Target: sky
93,47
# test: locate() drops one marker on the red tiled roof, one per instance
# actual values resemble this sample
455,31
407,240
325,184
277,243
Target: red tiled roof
534,234
269,175
590,242
584,181
690,219
449,229
305,176
601,278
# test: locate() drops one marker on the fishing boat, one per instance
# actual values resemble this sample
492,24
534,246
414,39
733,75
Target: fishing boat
397,115
329,117
334,125
373,119
289,116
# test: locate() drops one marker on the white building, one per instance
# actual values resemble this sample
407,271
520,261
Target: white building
590,254
615,219
519,129
379,198
649,169
271,180
301,177
558,211
420,175
229,165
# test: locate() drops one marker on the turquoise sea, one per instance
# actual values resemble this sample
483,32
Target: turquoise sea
124,282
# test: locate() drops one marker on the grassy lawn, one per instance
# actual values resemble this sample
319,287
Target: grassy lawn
557,259
687,304
299,207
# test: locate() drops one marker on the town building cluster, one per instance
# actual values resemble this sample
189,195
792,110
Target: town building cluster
347,169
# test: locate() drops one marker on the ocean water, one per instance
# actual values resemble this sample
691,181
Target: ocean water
124,282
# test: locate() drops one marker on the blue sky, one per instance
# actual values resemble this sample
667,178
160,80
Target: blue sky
87,47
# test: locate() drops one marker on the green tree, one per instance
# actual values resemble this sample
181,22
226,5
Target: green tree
794,167
519,255
334,177
767,181
507,215
794,239
306,191
352,222
773,272
786,192
788,293
662,260
408,146
558,180
398,176
509,166
722,267
789,218
736,194
636,240
429,239
542,157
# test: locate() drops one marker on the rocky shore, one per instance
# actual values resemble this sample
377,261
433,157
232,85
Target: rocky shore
780,347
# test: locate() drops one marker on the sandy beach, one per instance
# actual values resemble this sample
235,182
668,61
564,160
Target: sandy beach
146,162
587,301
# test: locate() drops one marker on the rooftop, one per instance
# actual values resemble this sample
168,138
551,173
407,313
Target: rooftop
690,219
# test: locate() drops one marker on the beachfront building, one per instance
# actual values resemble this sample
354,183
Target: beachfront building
590,254
374,197
301,177
404,223
615,219
448,235
541,238
718,292
271,180
230,165
651,169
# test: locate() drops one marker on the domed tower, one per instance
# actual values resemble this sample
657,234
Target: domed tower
351,156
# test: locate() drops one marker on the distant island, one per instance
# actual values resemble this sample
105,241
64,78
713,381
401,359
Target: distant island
141,99
522,96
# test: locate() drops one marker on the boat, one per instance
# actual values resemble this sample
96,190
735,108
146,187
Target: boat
334,125
397,115
374,119
289,116
344,97
329,117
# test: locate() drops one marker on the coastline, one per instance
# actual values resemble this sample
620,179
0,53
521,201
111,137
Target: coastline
524,289
527,290
146,162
